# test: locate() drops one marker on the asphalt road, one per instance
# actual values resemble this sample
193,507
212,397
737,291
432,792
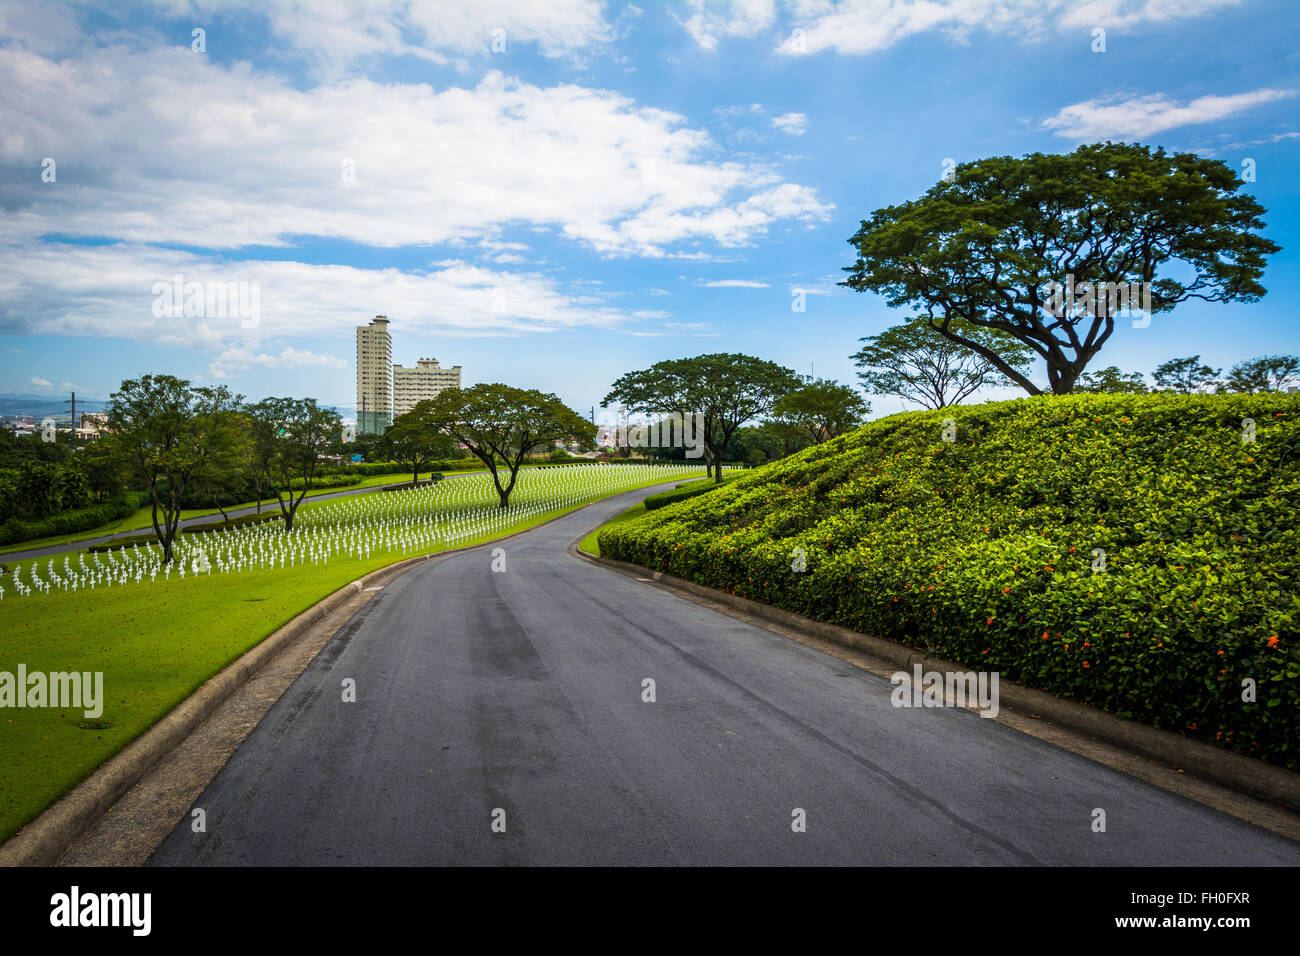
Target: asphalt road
521,691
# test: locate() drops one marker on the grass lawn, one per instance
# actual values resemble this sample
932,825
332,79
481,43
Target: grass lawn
155,643
589,542
142,518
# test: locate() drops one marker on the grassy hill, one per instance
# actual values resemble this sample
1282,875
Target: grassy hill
982,550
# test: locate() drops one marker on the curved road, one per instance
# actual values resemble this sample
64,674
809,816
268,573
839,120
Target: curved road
521,691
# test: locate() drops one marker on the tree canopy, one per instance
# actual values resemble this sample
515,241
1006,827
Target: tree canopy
921,365
822,410
171,435
724,389
1186,375
1111,380
289,436
501,425
996,244
1269,373
415,440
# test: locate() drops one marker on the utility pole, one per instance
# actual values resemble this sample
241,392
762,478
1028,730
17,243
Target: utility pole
72,414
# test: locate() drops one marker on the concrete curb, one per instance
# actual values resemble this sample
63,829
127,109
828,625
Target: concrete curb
1246,774
43,840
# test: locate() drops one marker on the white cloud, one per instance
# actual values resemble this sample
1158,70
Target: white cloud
41,383
237,359
108,291
1142,116
868,26
734,284
333,36
262,161
796,124
741,18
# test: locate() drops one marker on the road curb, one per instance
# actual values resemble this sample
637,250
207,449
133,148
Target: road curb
42,841
1246,774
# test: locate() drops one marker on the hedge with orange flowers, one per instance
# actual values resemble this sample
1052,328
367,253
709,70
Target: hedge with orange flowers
984,550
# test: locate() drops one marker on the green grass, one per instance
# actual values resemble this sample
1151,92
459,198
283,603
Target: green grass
155,643
142,518
591,545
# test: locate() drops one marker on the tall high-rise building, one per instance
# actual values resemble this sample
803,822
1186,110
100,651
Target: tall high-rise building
426,380
374,377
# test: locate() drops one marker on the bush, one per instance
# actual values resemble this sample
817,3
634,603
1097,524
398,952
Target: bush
71,522
982,550
685,491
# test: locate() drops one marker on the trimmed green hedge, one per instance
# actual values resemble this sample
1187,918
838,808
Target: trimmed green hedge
981,550
71,522
685,491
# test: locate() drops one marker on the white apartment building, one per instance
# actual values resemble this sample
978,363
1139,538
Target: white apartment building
426,380
374,376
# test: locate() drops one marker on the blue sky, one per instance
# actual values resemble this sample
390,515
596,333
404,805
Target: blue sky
610,186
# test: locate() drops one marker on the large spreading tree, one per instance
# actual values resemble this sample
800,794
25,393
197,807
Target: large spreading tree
1048,248
172,436
502,425
724,389
290,437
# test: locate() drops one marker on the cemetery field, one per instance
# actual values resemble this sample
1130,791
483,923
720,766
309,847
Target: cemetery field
156,636
142,518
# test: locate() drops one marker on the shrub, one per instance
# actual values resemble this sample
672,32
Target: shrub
982,550
685,491
71,522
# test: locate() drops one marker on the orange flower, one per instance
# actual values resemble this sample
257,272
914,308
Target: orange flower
1044,635
1086,664
1272,641
1005,590
989,621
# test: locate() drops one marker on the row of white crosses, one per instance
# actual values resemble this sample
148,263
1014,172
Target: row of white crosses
411,521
